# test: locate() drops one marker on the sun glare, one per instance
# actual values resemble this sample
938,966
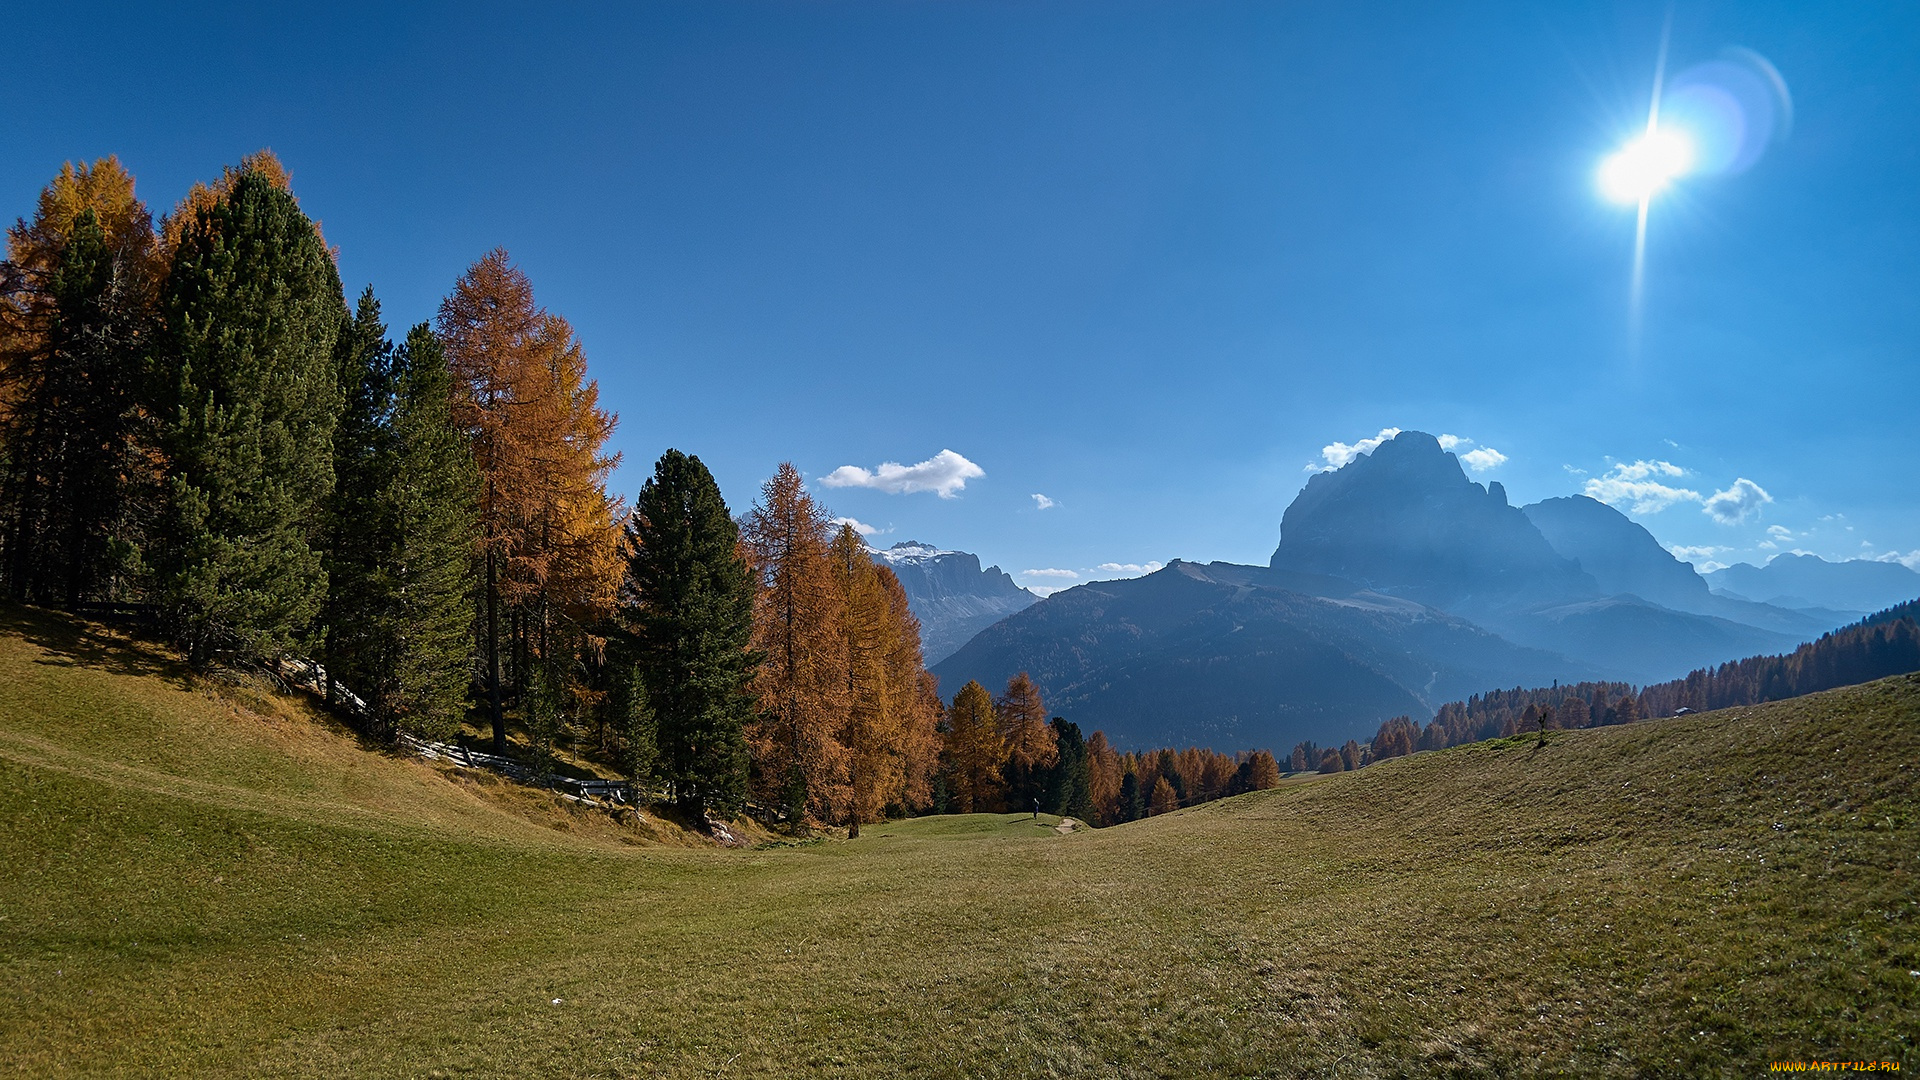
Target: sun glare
1645,166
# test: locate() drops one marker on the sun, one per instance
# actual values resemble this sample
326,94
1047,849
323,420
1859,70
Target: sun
1643,167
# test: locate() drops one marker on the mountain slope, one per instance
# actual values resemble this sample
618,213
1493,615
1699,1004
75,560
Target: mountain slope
1234,657
951,595
1624,558
1636,641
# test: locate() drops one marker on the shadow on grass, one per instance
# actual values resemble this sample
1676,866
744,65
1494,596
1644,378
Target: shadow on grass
72,642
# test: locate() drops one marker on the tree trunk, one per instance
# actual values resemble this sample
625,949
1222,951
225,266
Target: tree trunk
493,662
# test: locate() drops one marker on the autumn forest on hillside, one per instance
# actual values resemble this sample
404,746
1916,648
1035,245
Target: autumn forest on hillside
198,429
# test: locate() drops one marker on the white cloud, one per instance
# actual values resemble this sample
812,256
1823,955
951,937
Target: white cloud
944,474
1768,545
1710,566
1051,572
1911,560
1339,453
1691,552
1483,459
1571,471
1041,502
1044,591
1640,470
1632,483
859,526
1449,442
1779,532
1130,568
1736,504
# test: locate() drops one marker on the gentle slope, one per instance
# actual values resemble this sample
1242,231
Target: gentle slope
200,889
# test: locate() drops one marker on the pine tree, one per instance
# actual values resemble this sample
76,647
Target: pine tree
1069,782
630,713
76,318
800,760
687,608
429,500
359,536
248,397
1133,804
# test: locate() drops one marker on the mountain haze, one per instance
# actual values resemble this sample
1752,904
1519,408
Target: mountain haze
1801,581
1406,521
1231,657
1395,578
951,595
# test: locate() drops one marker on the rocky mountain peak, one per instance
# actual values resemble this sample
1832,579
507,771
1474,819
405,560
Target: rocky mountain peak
1405,520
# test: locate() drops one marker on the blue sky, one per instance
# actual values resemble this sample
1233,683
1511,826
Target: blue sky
1146,260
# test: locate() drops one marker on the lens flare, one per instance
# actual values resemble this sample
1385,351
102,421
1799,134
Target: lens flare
1646,165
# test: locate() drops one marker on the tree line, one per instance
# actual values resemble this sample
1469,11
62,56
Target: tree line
194,420
1887,643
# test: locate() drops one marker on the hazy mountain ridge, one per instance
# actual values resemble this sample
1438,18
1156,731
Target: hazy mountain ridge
1405,520
1396,578
1855,586
1231,656
1625,559
951,595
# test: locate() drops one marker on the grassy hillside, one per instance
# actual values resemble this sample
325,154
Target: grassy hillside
206,882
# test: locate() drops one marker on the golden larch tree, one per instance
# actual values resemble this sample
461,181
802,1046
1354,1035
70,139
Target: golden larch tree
1104,776
870,730
800,761
914,695
1030,745
549,531
974,752
1164,799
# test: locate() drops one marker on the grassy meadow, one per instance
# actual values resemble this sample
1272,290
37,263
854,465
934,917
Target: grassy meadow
209,880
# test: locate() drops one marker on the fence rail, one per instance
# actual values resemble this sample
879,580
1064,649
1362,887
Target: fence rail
310,675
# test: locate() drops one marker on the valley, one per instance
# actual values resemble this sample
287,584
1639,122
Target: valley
211,886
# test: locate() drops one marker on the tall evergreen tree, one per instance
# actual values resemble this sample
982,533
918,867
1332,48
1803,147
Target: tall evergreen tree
76,315
687,609
359,533
428,498
1132,802
1069,782
247,398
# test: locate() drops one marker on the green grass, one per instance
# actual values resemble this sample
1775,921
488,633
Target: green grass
208,881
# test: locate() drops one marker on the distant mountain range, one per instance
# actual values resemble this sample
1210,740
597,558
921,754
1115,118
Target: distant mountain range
1398,583
1856,586
950,594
